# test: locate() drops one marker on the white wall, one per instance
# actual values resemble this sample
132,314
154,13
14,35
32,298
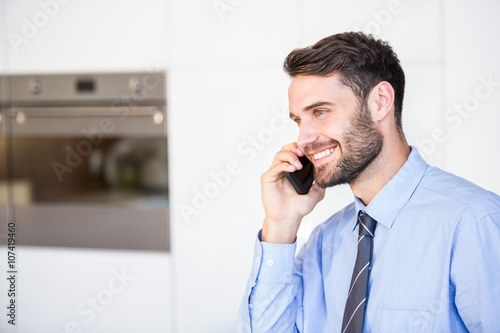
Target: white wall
472,59
3,41
227,96
64,35
57,287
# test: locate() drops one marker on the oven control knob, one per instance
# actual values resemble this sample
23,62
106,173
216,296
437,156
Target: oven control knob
20,118
135,85
35,87
157,116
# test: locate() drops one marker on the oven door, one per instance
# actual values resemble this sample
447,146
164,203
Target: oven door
91,177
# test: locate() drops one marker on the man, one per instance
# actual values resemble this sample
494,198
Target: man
417,251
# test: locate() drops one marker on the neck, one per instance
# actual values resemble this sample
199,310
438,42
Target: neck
391,158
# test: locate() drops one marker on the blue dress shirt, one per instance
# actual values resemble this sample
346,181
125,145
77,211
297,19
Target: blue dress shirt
435,267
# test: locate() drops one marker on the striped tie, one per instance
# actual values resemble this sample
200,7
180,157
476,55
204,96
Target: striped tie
354,312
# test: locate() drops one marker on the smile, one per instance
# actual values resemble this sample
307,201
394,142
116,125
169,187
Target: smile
323,154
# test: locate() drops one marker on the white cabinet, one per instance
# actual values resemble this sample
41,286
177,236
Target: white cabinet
68,36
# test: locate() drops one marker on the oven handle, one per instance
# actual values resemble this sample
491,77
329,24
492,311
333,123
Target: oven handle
21,114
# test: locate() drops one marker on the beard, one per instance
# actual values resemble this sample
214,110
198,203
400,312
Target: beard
362,142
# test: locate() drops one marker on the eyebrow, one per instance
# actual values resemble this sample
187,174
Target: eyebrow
313,106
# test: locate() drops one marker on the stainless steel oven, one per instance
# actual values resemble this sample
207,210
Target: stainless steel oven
84,160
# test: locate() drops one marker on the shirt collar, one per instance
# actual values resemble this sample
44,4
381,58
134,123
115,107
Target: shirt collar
391,199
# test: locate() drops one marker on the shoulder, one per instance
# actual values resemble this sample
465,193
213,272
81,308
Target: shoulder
453,193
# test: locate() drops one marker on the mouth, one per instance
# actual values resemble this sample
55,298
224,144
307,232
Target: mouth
322,154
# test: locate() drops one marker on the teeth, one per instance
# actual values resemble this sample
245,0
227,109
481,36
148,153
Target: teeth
323,153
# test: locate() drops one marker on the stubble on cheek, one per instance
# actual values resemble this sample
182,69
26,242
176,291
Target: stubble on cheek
324,173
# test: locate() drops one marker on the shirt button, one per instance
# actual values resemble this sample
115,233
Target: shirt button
250,306
270,262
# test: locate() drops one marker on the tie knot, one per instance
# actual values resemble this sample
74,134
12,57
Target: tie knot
366,225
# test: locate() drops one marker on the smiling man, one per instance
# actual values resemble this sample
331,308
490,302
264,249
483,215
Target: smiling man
416,251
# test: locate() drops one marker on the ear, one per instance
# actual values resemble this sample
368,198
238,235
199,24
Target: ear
381,101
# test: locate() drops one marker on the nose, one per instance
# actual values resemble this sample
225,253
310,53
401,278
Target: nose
307,134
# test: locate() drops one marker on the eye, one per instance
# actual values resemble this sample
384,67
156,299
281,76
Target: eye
296,120
320,112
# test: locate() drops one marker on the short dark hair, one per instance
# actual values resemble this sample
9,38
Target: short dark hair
361,60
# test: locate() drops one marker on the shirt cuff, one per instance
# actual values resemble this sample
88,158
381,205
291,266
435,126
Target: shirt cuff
275,261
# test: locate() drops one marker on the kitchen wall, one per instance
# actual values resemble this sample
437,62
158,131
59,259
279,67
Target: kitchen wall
227,109
3,32
77,290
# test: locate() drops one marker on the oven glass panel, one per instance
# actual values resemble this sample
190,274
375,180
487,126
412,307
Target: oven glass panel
121,171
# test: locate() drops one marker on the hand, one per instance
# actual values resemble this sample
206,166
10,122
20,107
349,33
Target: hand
284,208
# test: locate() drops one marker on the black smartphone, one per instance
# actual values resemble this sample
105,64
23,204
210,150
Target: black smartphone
302,179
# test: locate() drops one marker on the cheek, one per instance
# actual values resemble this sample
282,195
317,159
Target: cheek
334,131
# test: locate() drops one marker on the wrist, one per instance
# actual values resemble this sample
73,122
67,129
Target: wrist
282,232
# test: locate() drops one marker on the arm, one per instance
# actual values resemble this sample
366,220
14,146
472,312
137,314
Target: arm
270,302
475,272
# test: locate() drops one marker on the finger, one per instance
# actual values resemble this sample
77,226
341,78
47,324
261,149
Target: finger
276,172
285,156
289,153
293,147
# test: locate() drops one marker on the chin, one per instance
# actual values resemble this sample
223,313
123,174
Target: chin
330,181
337,176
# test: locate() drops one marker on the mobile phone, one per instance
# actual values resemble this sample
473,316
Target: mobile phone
302,179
